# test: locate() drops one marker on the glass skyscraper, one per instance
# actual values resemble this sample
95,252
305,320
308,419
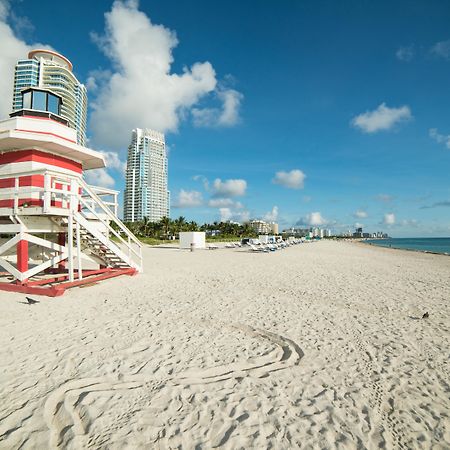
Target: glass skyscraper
50,70
146,189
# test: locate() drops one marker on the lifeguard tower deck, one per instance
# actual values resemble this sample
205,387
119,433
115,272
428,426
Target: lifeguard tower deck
56,231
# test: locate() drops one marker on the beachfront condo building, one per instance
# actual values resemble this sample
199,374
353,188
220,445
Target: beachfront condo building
262,227
146,190
46,69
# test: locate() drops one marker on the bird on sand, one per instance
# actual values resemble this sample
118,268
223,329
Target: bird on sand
31,301
425,316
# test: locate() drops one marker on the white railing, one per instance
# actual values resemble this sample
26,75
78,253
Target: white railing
45,196
109,197
110,217
71,196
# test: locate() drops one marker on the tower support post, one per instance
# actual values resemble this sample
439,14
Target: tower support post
22,256
62,242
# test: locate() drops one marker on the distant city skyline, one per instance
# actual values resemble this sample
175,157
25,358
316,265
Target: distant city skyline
324,114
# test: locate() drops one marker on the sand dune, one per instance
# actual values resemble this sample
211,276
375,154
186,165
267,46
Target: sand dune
315,346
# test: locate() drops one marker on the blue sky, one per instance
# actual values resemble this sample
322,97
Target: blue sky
308,112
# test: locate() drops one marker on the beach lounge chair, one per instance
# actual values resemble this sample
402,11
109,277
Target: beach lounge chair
253,248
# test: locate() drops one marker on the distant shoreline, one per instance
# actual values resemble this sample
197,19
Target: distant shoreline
430,252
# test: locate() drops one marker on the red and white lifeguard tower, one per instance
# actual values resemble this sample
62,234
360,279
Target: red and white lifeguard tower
55,230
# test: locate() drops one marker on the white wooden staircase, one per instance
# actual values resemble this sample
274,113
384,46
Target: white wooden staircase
92,235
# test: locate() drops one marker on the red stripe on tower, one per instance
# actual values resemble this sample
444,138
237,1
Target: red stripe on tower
41,157
9,203
28,180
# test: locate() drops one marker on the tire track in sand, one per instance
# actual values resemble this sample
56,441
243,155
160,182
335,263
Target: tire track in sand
379,400
61,410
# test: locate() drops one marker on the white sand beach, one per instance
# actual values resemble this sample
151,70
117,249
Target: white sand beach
315,346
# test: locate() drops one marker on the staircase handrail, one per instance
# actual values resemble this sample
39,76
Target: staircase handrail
105,241
110,228
109,213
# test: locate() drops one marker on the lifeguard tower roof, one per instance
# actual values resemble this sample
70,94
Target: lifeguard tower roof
39,126
43,133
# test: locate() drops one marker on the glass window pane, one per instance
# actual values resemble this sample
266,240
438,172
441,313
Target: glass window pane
27,100
39,100
53,104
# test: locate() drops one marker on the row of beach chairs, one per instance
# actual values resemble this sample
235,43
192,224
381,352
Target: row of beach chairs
233,245
266,248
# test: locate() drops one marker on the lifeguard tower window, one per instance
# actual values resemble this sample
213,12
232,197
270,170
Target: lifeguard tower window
41,103
41,100
26,100
53,104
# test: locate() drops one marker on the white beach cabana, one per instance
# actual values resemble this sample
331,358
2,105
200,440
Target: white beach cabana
197,238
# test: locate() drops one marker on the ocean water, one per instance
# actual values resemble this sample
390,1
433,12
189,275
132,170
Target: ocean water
435,245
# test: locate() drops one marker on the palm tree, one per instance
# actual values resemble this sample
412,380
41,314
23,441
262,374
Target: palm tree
193,226
180,224
133,227
165,223
145,226
247,230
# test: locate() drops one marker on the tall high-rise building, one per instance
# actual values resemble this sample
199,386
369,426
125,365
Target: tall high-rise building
50,70
146,192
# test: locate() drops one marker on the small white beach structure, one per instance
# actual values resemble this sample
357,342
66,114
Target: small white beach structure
266,239
197,238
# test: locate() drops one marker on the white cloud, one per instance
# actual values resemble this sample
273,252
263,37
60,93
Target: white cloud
389,219
222,190
227,115
99,177
229,188
203,179
440,138
360,214
405,54
142,91
271,216
294,179
231,102
441,49
220,202
188,199
4,9
12,49
316,219
113,161
382,118
359,225
227,214
97,78
224,202
313,219
102,177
